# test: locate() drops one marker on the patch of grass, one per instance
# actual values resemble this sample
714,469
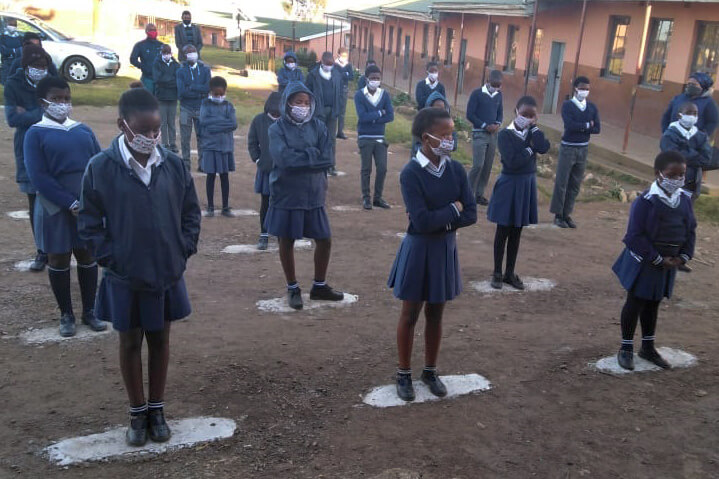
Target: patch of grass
620,177
544,191
103,92
397,133
707,209
220,57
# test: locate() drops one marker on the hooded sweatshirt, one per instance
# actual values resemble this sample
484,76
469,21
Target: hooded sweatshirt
708,112
301,154
693,144
285,75
434,96
19,93
258,138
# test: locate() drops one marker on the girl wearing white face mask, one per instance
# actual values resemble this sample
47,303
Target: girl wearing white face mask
660,237
430,84
683,136
289,72
57,151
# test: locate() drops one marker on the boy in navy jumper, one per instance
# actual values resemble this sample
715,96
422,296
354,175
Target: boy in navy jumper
164,75
144,54
10,48
193,86
426,269
514,199
660,237
581,119
56,151
425,87
699,91
301,149
362,81
140,214
684,137
374,111
486,112
258,144
289,71
345,68
325,82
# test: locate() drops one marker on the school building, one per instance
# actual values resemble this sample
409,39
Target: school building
637,55
275,36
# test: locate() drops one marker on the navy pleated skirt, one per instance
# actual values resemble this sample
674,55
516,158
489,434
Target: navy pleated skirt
514,200
56,234
643,279
217,162
426,268
262,183
298,224
128,309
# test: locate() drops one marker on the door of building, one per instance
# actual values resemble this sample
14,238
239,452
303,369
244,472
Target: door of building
405,72
462,65
554,78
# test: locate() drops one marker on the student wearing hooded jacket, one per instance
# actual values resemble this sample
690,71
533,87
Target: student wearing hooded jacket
10,48
301,152
347,72
290,71
698,90
164,74
435,100
144,54
193,86
325,82
32,38
22,110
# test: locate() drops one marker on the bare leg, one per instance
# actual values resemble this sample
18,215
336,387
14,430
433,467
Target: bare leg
432,332
131,365
323,248
405,332
158,357
287,258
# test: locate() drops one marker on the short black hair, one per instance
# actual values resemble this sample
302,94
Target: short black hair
328,56
426,119
526,100
48,83
579,80
136,84
372,69
218,81
495,76
666,158
136,100
186,12
432,64
30,36
684,106
371,62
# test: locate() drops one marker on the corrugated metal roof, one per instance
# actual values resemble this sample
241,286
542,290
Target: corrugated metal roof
303,30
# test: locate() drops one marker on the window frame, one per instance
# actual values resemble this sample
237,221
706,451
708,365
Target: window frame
536,53
614,22
390,40
511,35
399,42
493,43
425,40
701,28
365,37
650,57
449,47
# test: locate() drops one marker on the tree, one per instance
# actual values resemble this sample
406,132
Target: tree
305,10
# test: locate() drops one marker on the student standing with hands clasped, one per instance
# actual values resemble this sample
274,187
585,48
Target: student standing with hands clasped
426,271
57,150
374,111
140,214
514,199
430,84
660,237
193,86
581,119
164,74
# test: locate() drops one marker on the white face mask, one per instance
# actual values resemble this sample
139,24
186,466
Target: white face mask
374,84
291,65
11,29
218,99
522,122
141,143
299,113
582,94
687,121
58,111
273,117
327,68
166,57
36,74
192,57
433,77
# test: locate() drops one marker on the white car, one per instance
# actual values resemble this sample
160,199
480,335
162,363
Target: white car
77,61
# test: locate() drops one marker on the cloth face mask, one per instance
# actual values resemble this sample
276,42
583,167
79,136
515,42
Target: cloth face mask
445,147
36,74
58,111
141,143
218,99
671,185
300,113
192,57
433,77
374,84
582,95
687,121
522,122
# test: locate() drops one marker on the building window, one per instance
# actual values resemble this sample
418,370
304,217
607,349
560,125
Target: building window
389,42
534,62
511,61
425,40
656,57
399,41
214,39
437,43
614,63
449,46
493,39
706,51
353,37
365,39
370,55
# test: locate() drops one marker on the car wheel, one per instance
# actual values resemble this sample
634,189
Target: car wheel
78,70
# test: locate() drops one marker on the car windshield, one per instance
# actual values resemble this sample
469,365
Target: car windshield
52,31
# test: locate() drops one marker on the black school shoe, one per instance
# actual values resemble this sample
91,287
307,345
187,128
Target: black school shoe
294,298
67,325
482,201
684,268
262,243
325,293
341,136
366,204
380,203
653,356
496,281
38,264
513,280
570,222
136,434
625,359
405,390
157,426
210,212
332,171
435,385
89,319
227,212
560,222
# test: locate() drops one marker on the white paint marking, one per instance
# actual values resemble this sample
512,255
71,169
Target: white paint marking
279,305
341,173
386,396
543,226
19,215
24,265
345,208
236,212
530,285
111,444
252,248
52,335
676,357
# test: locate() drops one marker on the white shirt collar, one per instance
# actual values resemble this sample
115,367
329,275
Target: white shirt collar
520,133
486,91
50,123
683,131
143,172
374,99
324,74
671,201
427,165
582,105
430,84
187,26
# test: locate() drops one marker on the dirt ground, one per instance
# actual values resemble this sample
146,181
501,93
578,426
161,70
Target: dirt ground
293,382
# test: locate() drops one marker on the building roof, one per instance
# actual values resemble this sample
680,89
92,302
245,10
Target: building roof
303,30
413,10
522,8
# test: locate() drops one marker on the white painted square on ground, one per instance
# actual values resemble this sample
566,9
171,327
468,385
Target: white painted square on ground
52,334
240,212
676,357
252,248
459,385
24,265
345,208
543,226
19,215
111,444
279,305
341,173
530,285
